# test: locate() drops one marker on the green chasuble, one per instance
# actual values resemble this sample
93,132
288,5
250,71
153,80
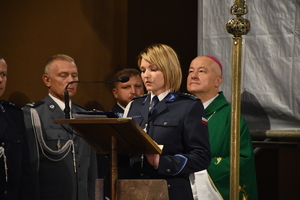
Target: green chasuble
218,116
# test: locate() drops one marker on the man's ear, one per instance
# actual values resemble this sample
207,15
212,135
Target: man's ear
115,92
46,80
219,81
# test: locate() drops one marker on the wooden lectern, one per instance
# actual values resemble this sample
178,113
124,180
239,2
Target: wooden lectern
114,136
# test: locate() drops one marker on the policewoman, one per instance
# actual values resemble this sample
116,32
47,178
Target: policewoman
172,119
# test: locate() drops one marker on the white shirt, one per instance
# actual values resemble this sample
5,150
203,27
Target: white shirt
60,103
205,104
160,97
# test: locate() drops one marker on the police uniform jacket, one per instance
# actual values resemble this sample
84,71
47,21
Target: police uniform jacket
117,109
58,179
177,123
13,140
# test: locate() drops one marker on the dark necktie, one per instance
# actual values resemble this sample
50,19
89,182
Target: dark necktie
155,102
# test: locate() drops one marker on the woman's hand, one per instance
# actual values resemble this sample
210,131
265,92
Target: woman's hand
153,159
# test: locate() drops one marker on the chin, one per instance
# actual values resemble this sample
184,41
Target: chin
190,89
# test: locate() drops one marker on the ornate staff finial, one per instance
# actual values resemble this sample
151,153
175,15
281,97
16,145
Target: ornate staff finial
238,26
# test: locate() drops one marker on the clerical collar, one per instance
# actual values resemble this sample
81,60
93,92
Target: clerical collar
161,96
60,103
205,104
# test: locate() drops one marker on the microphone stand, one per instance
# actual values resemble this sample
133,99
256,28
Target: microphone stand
122,79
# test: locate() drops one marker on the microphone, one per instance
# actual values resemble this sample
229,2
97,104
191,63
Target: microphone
122,79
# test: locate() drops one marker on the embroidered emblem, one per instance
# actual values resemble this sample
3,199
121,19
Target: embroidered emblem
244,195
218,160
171,97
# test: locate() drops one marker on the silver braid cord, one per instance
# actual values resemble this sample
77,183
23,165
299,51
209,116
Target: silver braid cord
39,136
2,153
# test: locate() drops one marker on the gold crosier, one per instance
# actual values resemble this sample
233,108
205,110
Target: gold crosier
236,26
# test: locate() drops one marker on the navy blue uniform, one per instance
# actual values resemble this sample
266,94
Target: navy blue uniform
13,140
177,123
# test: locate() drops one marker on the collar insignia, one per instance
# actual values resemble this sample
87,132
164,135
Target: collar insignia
145,99
2,109
52,106
171,97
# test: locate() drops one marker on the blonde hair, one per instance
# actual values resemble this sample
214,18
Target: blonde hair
166,60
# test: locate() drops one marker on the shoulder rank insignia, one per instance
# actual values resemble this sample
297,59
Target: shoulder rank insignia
190,96
7,104
139,97
35,104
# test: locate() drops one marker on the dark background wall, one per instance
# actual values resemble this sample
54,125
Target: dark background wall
94,33
170,22
102,36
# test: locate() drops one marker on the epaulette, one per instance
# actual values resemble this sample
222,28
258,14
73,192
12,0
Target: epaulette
10,104
35,104
187,95
139,97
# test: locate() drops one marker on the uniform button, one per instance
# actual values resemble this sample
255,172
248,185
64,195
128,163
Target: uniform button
165,123
3,144
141,174
168,170
5,192
78,166
79,179
169,186
18,141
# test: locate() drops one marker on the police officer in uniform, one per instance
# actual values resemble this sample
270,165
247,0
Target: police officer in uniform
171,119
64,165
15,174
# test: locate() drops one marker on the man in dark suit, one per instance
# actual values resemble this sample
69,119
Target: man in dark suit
15,174
125,92
64,165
